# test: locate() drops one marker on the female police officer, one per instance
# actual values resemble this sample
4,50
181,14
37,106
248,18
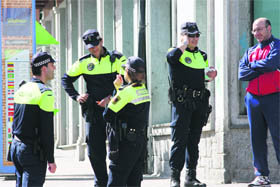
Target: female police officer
127,116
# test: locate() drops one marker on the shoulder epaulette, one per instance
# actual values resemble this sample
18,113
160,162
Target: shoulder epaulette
43,87
123,86
84,57
171,48
203,54
117,54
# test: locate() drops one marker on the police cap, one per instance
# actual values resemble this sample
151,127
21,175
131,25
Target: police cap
91,38
189,28
41,58
135,64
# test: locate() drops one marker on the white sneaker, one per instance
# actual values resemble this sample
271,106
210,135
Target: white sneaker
260,181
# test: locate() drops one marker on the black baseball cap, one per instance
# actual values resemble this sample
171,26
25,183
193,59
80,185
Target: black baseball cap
135,64
91,38
189,28
41,58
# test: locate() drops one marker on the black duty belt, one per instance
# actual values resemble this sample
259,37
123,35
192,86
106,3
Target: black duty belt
26,141
185,92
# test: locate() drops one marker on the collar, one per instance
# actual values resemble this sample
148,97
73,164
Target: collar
195,50
104,54
266,42
34,79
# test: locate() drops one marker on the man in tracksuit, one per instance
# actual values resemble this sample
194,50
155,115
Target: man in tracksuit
99,70
260,66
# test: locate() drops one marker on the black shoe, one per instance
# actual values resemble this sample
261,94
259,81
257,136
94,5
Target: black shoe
194,182
175,178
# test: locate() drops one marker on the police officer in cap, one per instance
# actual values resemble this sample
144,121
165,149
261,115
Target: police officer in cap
128,112
190,103
99,69
32,147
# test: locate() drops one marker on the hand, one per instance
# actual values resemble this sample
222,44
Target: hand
211,72
104,101
52,167
118,81
184,43
82,98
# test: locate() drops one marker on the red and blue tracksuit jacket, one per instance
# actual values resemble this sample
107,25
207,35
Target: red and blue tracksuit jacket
260,66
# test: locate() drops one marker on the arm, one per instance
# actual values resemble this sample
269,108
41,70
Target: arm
269,64
71,76
46,129
46,133
245,73
115,106
67,84
173,55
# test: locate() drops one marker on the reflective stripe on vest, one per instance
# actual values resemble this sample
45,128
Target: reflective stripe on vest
92,66
30,94
133,95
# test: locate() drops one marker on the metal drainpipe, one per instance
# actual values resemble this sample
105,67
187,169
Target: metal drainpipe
142,54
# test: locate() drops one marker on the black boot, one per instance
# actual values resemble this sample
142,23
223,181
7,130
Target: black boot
175,178
191,180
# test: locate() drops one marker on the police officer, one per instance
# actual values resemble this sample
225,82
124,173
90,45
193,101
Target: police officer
128,113
33,136
99,69
190,103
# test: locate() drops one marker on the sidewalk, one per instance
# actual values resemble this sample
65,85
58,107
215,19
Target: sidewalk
72,173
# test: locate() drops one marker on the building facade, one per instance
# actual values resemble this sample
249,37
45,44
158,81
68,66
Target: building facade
147,28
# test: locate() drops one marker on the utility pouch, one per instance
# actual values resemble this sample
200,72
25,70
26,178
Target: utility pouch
207,114
113,138
9,157
113,155
88,110
131,135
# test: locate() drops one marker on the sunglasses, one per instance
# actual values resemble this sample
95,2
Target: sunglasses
193,35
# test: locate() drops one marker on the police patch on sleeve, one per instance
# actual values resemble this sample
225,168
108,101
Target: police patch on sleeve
116,99
188,60
90,66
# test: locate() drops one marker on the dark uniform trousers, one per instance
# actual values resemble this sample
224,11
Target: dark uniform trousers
127,169
186,128
30,170
96,141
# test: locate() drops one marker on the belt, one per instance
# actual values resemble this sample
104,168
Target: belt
26,141
136,131
186,92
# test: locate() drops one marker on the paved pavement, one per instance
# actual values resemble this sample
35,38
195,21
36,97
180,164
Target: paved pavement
72,173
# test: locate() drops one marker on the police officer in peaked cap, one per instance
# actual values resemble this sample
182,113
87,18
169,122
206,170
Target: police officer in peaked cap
188,67
32,148
99,69
127,116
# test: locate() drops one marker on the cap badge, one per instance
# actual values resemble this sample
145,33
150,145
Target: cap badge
90,66
188,60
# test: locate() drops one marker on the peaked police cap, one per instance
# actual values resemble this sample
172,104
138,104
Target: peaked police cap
189,28
135,64
41,58
91,38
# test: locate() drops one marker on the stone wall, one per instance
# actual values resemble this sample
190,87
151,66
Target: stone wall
219,162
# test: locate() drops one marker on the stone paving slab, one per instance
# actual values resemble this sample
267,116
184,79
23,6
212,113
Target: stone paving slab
72,173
